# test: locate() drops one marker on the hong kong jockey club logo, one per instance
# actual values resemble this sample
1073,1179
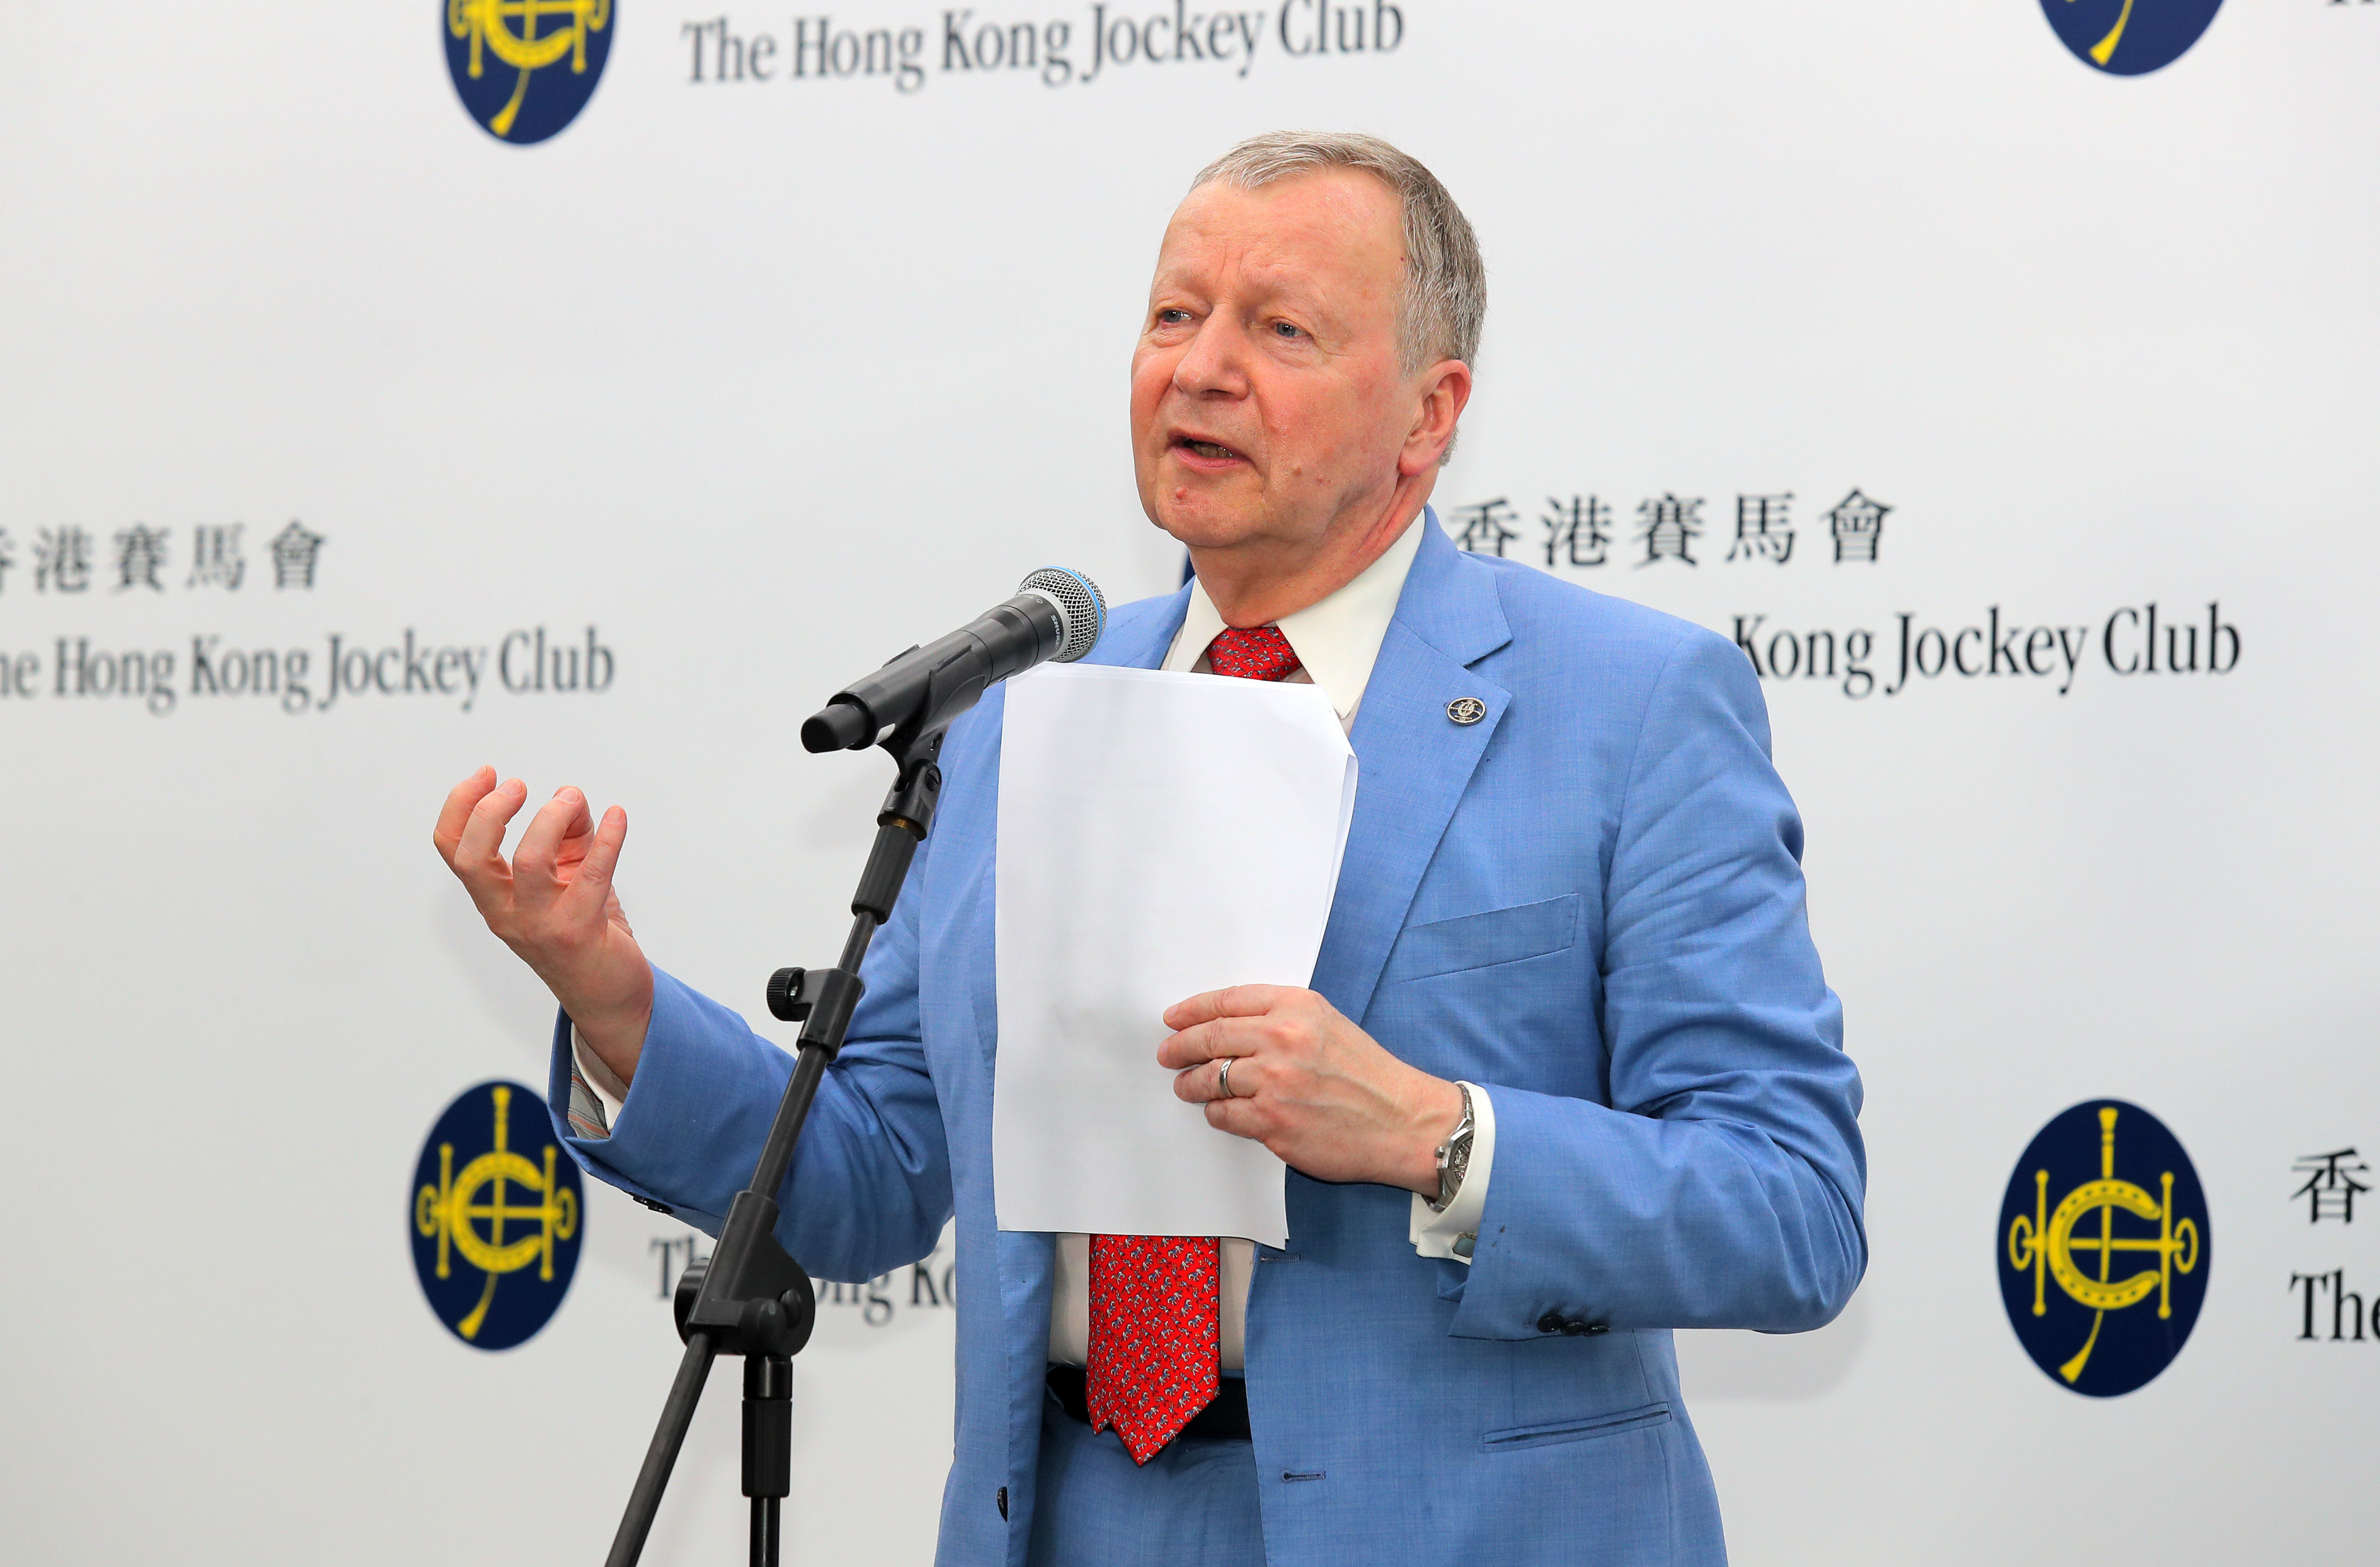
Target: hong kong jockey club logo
2103,1248
494,1217
523,68
2128,37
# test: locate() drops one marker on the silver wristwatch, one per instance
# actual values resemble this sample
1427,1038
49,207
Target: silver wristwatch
1454,1155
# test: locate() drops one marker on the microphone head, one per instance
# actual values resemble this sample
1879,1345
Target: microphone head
1079,606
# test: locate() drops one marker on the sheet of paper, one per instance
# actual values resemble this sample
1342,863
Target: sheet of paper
1160,835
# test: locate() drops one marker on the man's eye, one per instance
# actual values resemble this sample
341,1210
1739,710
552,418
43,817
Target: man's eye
1171,317
1287,329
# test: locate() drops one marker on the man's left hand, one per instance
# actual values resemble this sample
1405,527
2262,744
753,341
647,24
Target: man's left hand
1310,1085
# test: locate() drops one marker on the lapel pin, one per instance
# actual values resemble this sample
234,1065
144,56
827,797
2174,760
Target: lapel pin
1466,709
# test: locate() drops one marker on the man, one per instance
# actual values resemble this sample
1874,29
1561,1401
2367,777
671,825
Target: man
1569,938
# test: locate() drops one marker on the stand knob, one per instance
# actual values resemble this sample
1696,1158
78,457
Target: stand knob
690,1290
786,1003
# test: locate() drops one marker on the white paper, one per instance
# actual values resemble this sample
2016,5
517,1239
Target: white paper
1160,835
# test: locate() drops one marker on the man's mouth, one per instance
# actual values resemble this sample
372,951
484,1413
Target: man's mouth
1206,450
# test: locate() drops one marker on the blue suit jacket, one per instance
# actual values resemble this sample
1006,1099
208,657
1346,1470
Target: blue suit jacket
1591,901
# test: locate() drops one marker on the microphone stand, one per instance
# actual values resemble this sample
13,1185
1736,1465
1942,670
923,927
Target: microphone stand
750,1297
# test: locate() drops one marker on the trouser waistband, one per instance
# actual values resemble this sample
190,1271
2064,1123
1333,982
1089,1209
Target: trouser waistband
1225,1418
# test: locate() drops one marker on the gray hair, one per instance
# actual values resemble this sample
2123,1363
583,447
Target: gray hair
1446,283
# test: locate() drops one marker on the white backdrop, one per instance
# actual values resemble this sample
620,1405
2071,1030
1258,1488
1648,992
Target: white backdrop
763,381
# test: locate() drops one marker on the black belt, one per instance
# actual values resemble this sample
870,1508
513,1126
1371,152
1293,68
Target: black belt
1226,1418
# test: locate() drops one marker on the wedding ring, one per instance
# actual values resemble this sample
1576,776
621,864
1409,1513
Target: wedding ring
1223,1080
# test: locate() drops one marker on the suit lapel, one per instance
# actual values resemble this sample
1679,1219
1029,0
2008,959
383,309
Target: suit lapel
1412,760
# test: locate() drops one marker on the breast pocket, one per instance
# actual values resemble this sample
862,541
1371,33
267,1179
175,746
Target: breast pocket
1484,940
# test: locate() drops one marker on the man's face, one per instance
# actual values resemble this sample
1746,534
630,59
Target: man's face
1268,403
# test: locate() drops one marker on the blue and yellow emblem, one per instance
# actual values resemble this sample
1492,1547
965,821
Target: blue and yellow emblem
494,1217
2103,1248
2128,37
523,68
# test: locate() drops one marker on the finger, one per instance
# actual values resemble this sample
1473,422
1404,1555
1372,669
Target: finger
481,851
592,887
1206,1041
457,811
1237,1001
1238,1117
578,838
1205,1084
539,854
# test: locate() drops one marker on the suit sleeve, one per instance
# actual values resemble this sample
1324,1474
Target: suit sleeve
1722,1186
871,1187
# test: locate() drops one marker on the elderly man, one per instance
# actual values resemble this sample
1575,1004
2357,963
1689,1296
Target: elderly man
1569,1076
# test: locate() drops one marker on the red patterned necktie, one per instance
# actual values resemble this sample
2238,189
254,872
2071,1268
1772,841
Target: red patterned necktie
1255,653
1155,1310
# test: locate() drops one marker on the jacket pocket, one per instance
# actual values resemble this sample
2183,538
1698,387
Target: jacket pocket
1587,1429
1484,940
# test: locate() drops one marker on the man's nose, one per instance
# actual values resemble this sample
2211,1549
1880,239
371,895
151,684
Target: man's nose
1214,362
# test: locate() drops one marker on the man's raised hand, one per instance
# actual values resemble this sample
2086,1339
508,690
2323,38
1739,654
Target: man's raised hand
553,904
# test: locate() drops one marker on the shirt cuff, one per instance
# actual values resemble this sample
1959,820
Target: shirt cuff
1451,1234
597,1094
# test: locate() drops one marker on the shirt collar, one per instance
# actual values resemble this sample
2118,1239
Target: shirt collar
1337,640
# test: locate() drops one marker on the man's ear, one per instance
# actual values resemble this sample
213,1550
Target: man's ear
1445,388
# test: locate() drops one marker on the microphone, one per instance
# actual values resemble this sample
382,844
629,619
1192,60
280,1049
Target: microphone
1056,614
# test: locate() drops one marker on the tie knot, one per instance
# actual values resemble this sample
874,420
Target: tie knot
1252,653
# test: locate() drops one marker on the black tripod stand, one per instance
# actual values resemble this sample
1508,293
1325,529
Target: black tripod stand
750,1297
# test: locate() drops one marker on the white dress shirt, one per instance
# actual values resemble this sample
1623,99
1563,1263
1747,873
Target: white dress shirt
1337,641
